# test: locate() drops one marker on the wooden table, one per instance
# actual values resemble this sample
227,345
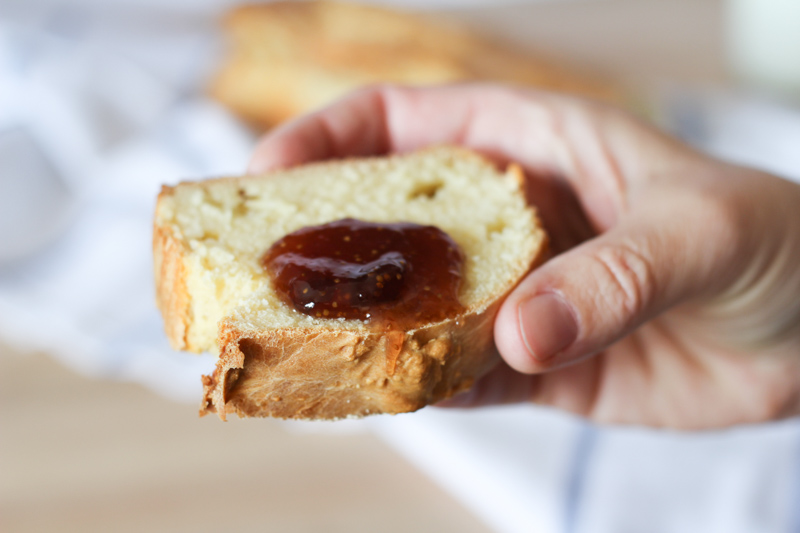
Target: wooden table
84,455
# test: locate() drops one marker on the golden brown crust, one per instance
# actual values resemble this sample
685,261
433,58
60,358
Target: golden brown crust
287,58
330,374
172,297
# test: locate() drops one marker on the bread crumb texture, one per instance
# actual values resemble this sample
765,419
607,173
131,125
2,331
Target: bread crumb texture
274,361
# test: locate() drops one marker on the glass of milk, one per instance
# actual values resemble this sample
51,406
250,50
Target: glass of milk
764,43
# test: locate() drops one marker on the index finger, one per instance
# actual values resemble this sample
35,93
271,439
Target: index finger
383,119
352,126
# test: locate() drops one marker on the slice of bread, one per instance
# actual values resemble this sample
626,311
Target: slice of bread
274,361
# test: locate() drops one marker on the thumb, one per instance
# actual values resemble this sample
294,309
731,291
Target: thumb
582,301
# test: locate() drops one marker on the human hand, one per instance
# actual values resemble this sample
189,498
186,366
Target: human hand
673,298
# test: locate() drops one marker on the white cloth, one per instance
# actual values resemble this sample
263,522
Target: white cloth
98,109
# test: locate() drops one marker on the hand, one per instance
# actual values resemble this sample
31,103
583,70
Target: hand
673,298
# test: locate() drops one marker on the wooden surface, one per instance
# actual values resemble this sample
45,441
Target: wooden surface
84,455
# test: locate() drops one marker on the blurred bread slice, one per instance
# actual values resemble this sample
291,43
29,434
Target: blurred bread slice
274,361
287,58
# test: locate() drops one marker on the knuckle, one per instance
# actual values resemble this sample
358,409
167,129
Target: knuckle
627,278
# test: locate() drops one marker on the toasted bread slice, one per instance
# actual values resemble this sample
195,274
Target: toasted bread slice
275,361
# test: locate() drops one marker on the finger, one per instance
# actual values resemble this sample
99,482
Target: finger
353,126
503,385
570,389
586,299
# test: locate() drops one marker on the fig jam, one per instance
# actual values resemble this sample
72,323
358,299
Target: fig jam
401,273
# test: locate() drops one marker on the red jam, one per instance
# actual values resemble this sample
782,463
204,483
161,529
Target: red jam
401,273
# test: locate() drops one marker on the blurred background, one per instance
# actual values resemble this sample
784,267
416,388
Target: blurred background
103,101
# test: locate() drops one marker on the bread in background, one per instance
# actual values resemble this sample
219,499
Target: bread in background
288,58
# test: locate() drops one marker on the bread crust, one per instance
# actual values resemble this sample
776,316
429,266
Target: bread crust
172,297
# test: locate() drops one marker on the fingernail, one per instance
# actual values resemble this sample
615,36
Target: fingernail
548,325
